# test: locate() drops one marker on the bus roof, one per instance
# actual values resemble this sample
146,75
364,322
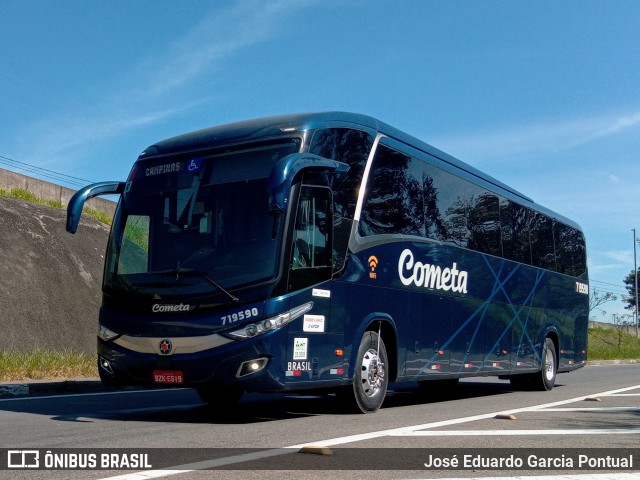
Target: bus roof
255,129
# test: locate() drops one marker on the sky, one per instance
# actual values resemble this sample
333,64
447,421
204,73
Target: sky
543,95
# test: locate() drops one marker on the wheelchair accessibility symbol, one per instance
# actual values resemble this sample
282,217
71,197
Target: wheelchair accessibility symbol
193,165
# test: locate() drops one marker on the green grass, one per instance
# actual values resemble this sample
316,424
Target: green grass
27,196
40,364
612,344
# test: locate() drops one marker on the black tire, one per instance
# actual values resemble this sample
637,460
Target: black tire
545,379
220,396
370,379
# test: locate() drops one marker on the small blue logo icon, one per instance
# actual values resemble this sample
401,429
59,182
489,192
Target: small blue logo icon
193,165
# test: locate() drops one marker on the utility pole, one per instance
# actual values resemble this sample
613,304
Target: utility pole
635,276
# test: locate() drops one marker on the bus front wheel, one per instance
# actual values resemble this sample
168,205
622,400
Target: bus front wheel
370,379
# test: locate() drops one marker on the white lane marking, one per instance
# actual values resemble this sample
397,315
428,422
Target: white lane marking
352,439
594,409
504,433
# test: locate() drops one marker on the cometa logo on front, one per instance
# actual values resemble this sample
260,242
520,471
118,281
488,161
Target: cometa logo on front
157,308
431,276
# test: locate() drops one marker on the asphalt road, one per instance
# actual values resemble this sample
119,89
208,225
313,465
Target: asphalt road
594,407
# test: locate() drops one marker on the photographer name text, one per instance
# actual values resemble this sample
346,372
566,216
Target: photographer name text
476,461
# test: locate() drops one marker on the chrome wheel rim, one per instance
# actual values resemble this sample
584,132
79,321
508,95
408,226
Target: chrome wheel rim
550,367
372,373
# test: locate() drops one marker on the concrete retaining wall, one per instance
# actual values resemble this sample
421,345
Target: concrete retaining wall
625,328
50,191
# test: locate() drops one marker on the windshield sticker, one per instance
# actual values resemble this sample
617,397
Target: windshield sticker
431,276
299,348
313,323
193,165
318,292
164,169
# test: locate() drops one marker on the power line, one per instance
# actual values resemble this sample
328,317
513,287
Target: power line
43,172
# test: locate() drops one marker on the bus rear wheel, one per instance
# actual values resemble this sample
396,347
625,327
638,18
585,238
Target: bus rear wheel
545,379
371,379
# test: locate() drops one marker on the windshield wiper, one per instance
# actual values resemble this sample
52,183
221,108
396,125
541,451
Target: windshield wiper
191,272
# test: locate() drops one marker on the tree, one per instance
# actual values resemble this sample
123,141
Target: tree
630,282
596,299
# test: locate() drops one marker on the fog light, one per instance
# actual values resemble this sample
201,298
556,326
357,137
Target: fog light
252,366
105,365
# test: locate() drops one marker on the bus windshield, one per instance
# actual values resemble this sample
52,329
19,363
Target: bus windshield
197,225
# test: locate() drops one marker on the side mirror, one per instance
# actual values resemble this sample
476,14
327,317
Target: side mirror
288,167
76,204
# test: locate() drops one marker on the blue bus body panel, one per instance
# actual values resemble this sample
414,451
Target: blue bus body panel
448,312
496,328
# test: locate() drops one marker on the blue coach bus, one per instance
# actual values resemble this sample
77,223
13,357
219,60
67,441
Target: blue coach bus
330,251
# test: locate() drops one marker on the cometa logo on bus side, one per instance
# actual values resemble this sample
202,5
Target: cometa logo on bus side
431,276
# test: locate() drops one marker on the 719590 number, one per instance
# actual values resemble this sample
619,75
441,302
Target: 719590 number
239,316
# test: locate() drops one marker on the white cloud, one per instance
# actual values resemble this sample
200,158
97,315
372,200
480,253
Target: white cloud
544,137
218,36
624,257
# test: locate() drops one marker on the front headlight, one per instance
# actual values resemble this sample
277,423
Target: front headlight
270,324
105,334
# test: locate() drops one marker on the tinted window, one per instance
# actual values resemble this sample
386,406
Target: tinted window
403,191
514,220
447,198
394,202
542,249
484,222
570,250
348,146
351,147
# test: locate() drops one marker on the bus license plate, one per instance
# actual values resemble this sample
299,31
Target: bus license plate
173,377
